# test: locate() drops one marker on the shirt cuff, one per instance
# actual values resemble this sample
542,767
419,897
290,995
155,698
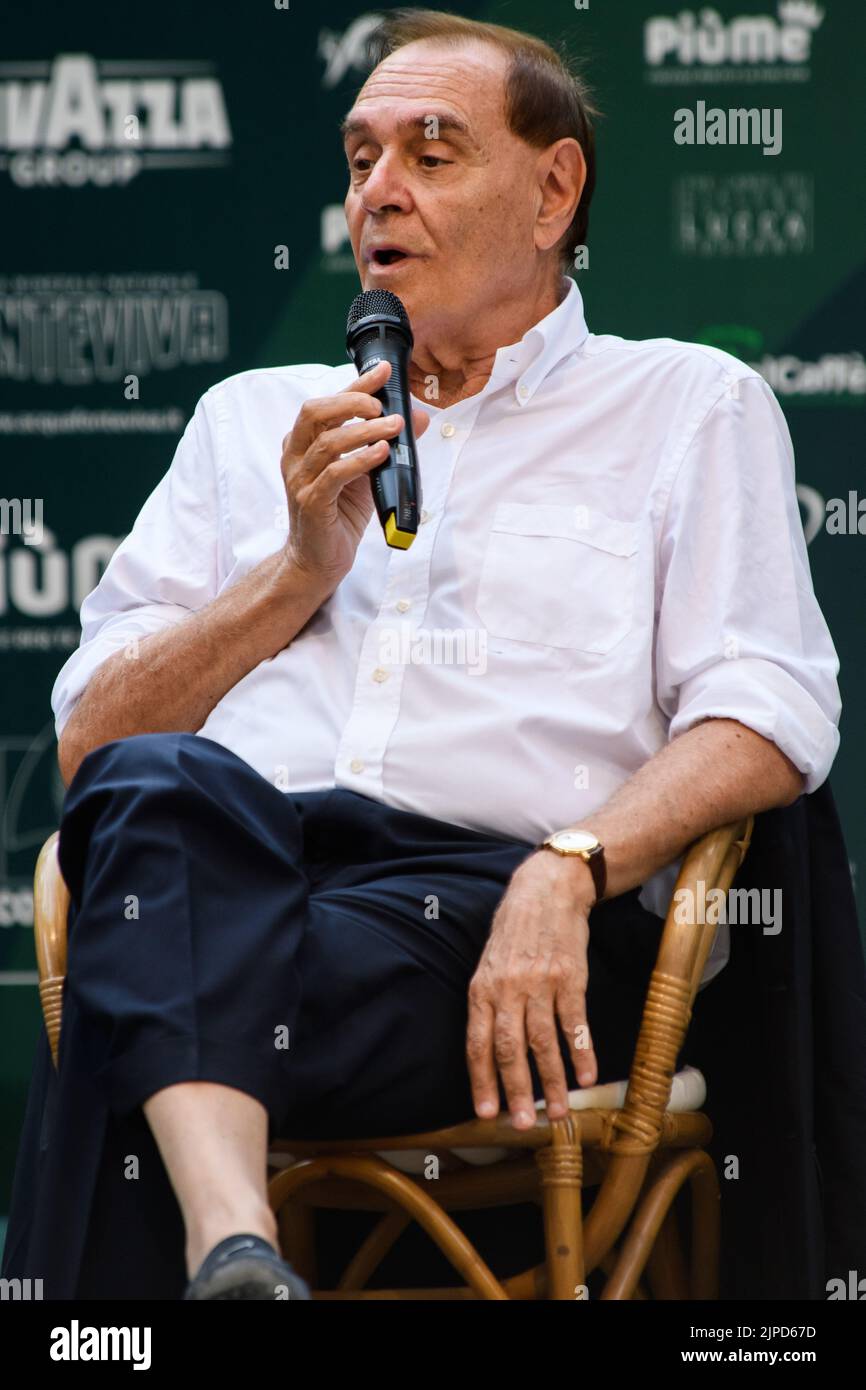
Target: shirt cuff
112,637
766,698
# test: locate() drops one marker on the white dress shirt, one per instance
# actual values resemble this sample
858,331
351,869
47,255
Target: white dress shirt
610,550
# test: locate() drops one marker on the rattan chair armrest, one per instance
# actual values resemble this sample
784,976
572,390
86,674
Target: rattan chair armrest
50,910
634,1132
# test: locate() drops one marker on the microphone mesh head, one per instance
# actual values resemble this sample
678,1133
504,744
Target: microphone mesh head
376,302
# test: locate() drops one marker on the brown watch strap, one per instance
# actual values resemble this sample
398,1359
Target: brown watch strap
597,866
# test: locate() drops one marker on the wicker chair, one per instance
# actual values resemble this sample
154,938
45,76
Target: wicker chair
638,1142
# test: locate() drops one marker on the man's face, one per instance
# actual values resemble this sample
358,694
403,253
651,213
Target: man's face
435,172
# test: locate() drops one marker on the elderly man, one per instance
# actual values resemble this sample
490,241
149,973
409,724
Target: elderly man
308,879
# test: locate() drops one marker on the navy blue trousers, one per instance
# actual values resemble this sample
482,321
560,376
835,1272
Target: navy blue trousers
313,949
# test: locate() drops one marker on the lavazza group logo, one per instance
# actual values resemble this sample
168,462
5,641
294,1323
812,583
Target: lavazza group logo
78,121
705,47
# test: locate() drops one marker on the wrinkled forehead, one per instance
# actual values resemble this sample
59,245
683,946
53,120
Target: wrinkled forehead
465,80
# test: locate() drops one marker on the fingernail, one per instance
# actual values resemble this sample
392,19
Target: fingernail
585,1078
486,1109
523,1117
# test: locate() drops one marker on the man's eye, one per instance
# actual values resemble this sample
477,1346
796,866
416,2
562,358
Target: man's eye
361,165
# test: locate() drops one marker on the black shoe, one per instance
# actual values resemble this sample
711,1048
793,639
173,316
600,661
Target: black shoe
246,1266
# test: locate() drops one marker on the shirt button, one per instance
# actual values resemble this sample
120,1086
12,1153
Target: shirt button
356,765
447,431
402,605
523,391
380,675
425,516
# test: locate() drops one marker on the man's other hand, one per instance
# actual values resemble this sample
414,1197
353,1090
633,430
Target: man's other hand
532,971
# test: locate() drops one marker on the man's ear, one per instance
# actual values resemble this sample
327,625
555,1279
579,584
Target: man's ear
560,173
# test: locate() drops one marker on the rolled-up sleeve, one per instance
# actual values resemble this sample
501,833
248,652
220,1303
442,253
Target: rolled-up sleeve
164,569
739,631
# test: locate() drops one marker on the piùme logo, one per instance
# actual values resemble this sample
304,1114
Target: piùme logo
704,45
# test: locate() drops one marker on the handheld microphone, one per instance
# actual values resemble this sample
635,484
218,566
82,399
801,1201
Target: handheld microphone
378,328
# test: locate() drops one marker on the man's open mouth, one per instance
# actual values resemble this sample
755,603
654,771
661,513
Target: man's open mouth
387,257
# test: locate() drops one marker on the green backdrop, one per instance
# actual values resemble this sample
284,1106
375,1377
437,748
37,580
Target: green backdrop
138,269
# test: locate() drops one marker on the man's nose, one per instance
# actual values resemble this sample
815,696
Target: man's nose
385,186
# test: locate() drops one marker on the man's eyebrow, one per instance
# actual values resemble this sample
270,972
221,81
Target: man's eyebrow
356,125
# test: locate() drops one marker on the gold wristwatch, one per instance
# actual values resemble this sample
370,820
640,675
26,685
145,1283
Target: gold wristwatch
587,847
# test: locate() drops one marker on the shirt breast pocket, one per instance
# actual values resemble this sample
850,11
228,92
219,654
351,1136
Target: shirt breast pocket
559,576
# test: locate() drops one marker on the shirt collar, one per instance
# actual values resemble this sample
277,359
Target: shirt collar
546,343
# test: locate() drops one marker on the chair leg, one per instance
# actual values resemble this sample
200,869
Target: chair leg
399,1188
706,1231
666,1267
374,1249
296,1225
696,1167
561,1169
608,1265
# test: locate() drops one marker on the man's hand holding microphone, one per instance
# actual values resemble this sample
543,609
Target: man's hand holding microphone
325,463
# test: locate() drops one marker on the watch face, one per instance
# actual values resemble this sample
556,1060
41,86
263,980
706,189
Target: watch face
573,840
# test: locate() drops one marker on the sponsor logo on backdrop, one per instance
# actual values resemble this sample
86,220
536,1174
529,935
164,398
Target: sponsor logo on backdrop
81,330
704,46
79,121
343,53
336,244
833,378
39,582
38,579
346,52
830,379
32,801
741,215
